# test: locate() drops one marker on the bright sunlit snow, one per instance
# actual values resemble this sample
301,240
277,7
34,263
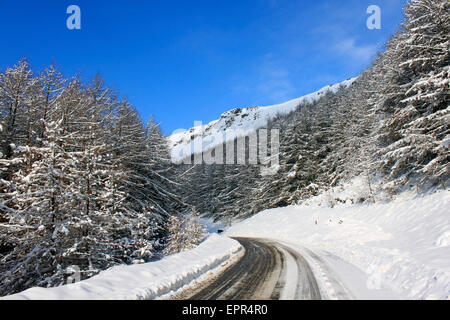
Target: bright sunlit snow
237,123
143,281
397,249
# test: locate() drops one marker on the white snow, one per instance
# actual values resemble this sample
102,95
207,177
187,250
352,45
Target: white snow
387,250
237,123
290,286
143,281
443,240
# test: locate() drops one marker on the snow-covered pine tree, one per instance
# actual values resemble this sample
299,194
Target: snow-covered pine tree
355,151
16,85
39,221
136,221
161,178
175,237
415,97
184,232
51,83
195,230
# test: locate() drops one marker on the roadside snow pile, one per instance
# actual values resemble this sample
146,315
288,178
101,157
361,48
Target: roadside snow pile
404,245
143,281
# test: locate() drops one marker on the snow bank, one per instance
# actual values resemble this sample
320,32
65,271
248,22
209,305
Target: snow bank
143,281
403,245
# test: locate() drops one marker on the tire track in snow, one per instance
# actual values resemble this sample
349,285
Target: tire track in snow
268,270
334,287
306,287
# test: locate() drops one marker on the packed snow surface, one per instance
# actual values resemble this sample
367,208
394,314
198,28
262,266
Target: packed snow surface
237,123
143,281
397,249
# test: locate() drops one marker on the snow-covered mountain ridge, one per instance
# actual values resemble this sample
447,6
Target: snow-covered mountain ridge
238,122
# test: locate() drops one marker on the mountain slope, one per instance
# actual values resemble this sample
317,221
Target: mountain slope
238,122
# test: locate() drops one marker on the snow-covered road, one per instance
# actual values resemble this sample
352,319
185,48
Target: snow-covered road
270,270
255,276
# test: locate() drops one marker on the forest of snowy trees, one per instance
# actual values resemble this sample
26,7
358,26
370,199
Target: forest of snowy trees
84,182
390,127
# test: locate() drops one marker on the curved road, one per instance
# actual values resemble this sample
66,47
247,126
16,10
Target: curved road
268,270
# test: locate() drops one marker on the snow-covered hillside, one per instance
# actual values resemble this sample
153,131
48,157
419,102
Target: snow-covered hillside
388,250
238,122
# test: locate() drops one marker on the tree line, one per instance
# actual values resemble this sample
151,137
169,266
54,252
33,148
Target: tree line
82,180
390,128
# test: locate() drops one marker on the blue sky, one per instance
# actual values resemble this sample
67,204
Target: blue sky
183,61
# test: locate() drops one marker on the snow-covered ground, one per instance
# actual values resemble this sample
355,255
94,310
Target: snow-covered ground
237,123
144,281
387,250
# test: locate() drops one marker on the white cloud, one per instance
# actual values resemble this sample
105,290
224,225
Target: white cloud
268,81
273,80
358,53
